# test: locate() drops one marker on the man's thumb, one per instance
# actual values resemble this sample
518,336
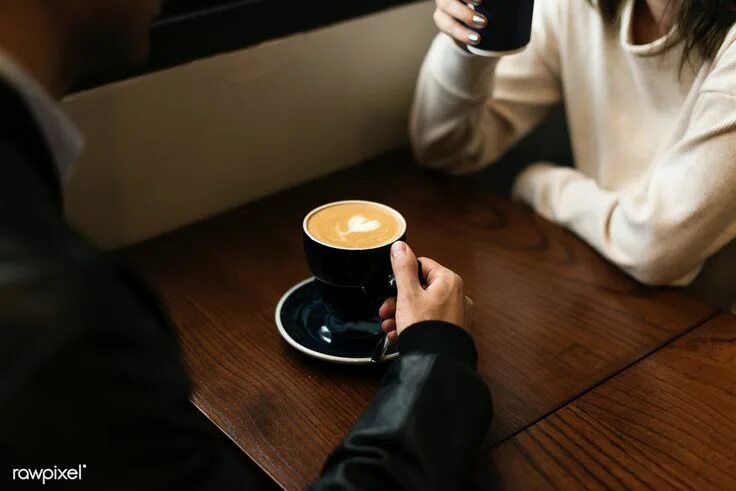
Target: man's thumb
405,267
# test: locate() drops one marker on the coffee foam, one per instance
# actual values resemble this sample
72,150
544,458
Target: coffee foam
355,225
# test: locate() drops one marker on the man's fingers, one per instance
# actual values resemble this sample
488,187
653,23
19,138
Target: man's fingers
469,304
404,263
388,325
388,309
431,270
393,336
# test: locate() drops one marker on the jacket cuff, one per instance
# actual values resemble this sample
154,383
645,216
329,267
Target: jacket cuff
439,338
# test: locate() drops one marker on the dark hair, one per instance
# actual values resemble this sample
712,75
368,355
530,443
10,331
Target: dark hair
702,25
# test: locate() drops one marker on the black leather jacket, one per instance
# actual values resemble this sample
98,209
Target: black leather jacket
90,370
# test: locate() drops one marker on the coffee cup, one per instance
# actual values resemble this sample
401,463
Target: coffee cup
509,27
348,249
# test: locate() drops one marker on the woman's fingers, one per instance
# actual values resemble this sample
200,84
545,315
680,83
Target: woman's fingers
454,28
461,12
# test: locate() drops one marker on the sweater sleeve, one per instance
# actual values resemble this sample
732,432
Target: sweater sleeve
468,110
661,230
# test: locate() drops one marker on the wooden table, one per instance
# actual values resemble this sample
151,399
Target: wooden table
553,320
668,422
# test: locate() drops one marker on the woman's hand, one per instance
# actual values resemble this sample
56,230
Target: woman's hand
453,17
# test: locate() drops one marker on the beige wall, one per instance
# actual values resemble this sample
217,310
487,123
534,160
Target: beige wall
170,148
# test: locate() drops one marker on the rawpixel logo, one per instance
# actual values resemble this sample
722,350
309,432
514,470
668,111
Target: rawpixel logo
43,475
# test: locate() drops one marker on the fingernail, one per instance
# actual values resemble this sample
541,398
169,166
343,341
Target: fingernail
474,38
479,20
398,249
476,2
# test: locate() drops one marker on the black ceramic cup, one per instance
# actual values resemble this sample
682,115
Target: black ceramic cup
509,27
352,283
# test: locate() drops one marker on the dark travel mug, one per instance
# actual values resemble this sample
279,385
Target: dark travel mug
509,27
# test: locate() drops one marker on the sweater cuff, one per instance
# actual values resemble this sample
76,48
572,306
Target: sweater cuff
459,71
532,187
439,338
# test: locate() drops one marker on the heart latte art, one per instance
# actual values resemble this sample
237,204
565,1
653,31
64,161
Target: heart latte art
355,225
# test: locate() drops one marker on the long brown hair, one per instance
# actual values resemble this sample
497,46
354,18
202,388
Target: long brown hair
702,25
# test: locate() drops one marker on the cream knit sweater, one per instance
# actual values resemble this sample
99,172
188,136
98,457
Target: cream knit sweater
654,190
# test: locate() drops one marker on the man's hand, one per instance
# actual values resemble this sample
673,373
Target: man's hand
441,299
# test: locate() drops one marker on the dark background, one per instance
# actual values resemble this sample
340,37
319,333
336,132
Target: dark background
193,29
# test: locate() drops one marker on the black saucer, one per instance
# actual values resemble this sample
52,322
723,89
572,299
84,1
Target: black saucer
305,324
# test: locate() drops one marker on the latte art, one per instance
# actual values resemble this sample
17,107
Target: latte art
359,224
355,225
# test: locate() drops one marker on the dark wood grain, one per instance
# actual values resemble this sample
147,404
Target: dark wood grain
552,317
669,422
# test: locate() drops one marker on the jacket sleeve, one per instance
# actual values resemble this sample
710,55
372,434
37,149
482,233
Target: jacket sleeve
92,379
426,423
